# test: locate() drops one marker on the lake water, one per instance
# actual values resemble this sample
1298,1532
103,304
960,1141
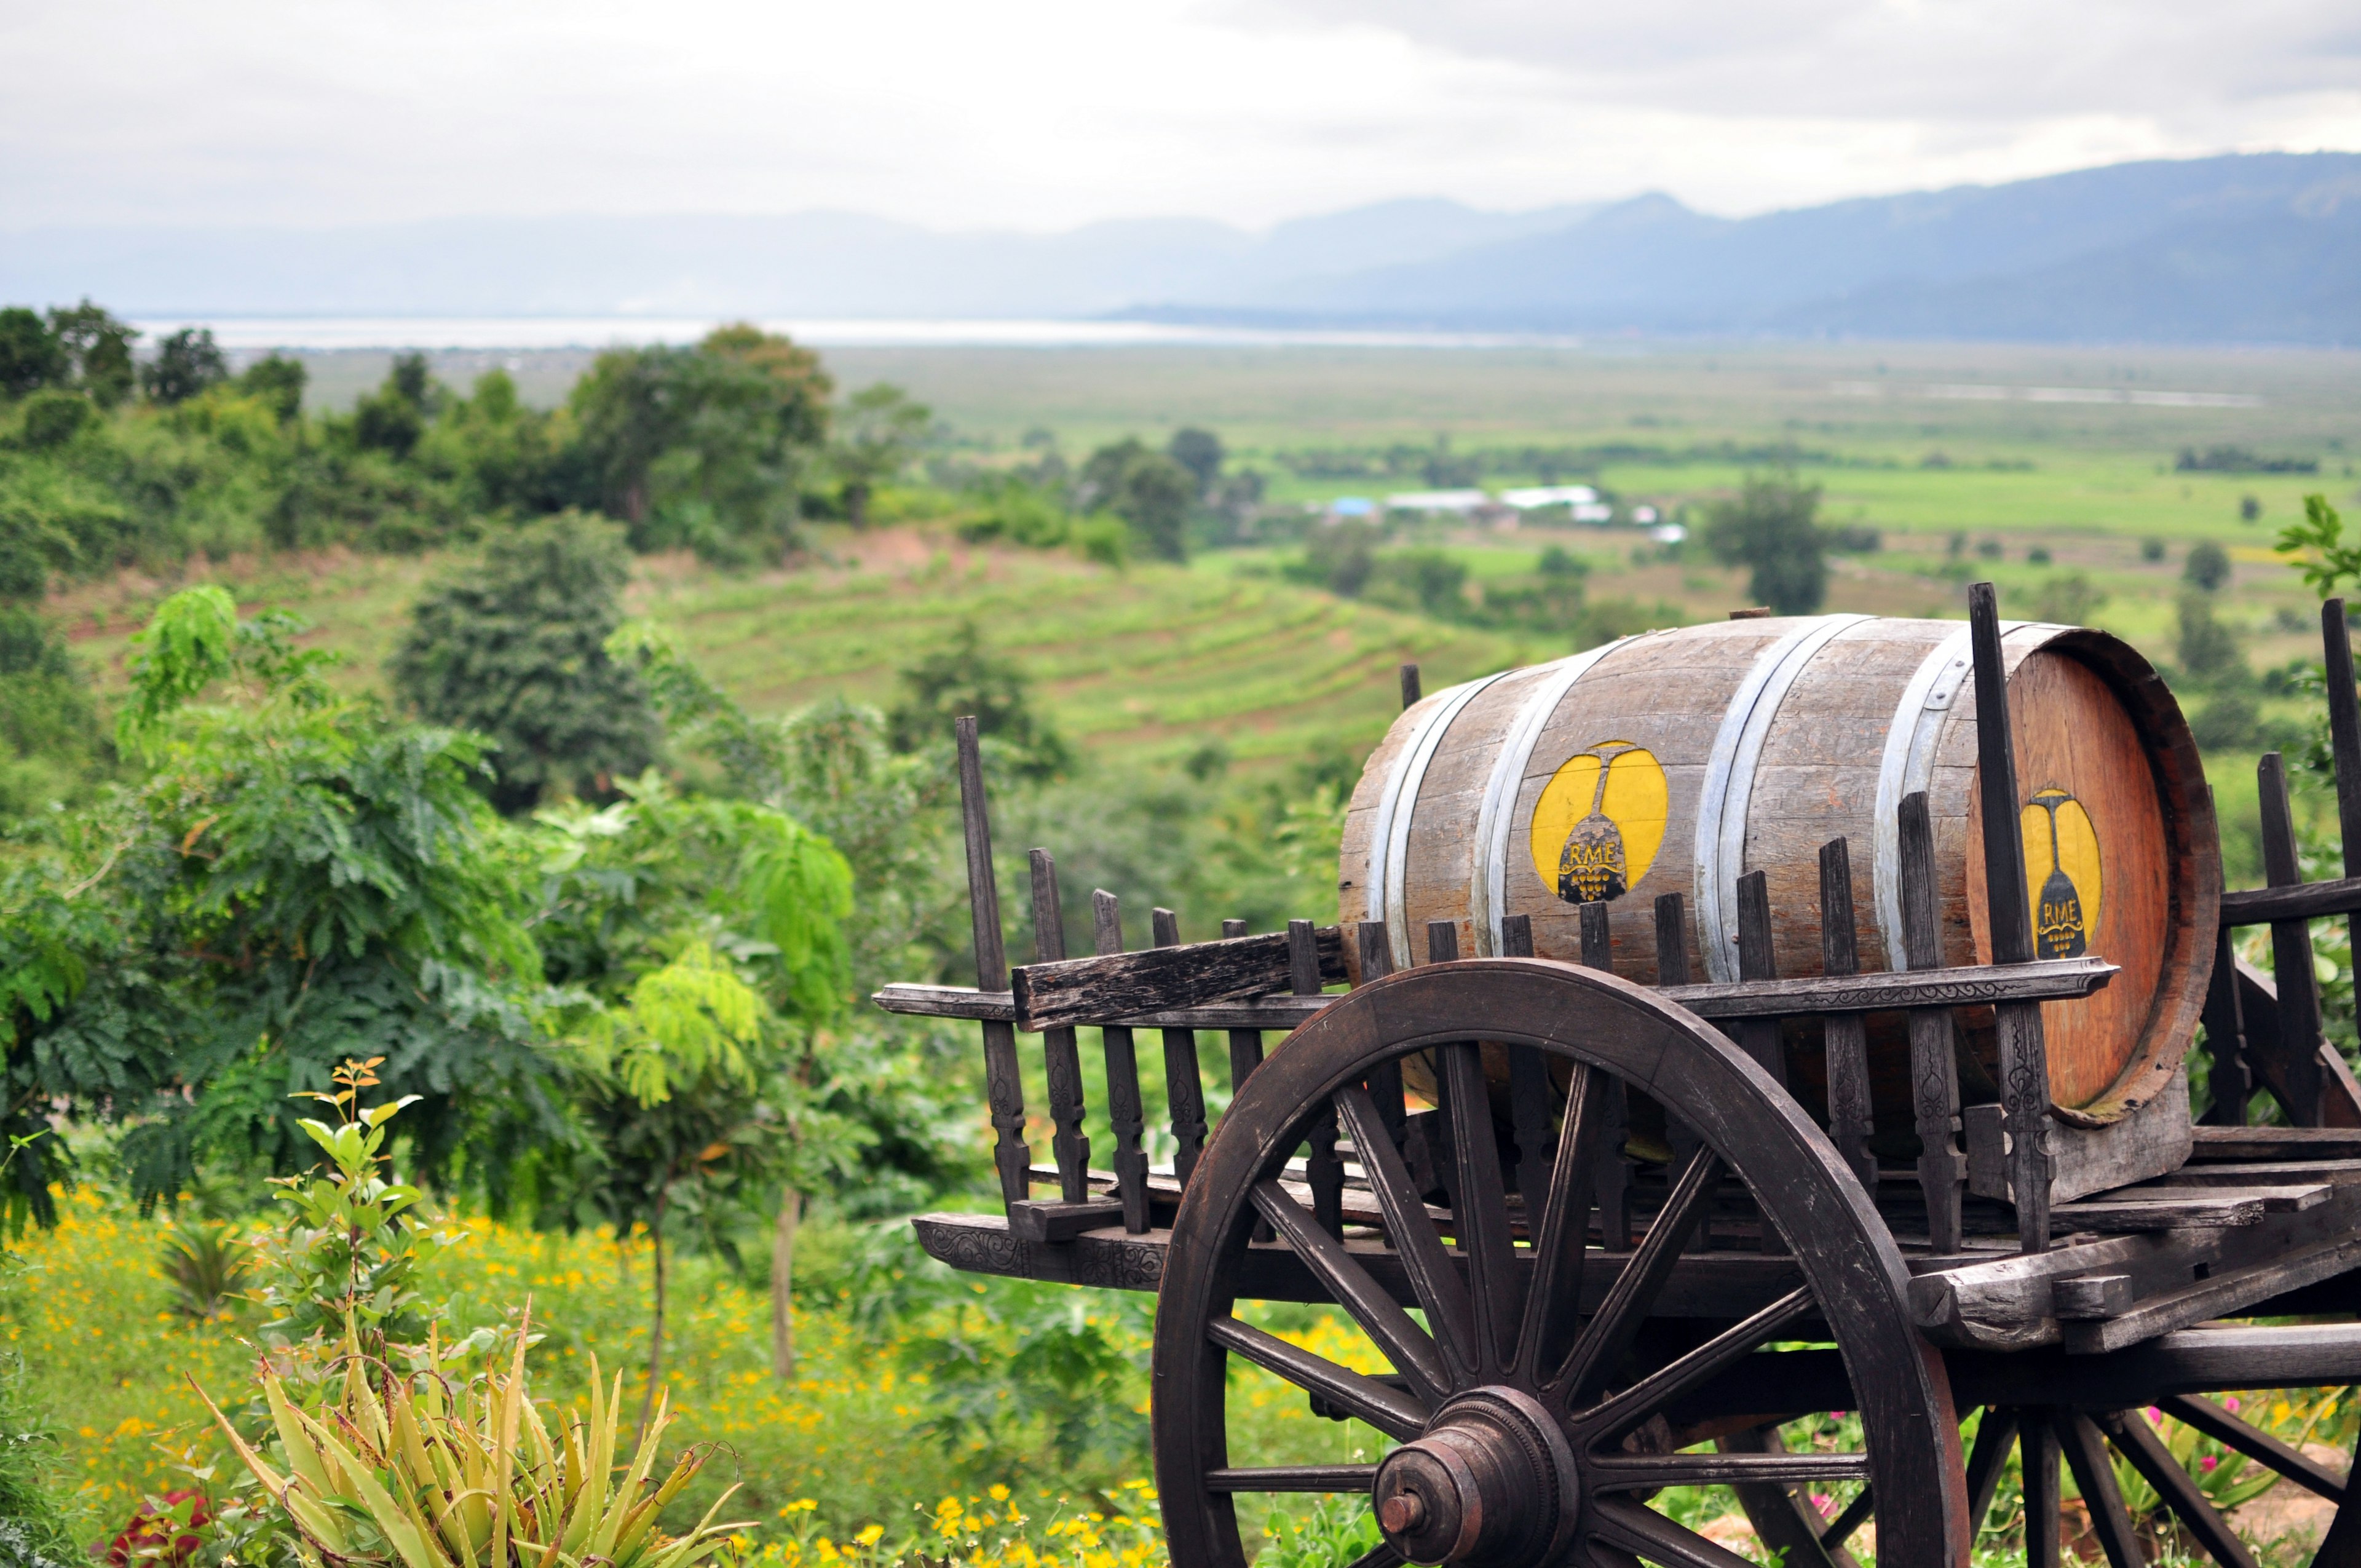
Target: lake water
325,332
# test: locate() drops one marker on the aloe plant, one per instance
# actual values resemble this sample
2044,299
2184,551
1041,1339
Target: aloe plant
423,1476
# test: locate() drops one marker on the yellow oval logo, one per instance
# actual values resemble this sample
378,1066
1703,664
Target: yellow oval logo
1599,822
2061,872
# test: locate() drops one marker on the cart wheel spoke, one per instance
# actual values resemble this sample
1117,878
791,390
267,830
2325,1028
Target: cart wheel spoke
1479,1209
2086,1454
1855,1515
1561,1234
1629,1527
1634,1405
1621,1473
1433,1279
2138,1442
1995,1434
1384,1407
1609,1334
1404,1344
1293,1479
2254,1443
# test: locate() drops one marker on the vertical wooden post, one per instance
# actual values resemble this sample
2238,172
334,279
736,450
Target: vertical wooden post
2298,985
2230,1078
2037,1456
2343,729
1672,940
1934,1066
2024,1057
1597,938
1758,1038
1845,1033
1123,1109
1385,1083
1245,1044
1610,1179
1062,1056
1529,1089
1323,1169
1004,1083
1409,687
1184,1088
1673,969
1441,941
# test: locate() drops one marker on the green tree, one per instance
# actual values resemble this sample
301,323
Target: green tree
55,747
2207,651
278,382
394,418
515,650
1769,530
877,432
965,677
297,877
1144,488
30,357
1199,452
98,348
703,447
2208,566
709,934
186,362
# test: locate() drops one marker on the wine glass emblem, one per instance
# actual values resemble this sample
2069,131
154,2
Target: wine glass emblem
2058,928
1592,865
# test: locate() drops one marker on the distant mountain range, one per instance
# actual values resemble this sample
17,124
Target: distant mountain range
2255,248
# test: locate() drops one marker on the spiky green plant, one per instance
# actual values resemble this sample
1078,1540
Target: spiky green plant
429,1477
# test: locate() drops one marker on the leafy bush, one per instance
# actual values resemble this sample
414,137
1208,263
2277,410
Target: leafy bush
2207,567
207,1266
1769,530
34,1531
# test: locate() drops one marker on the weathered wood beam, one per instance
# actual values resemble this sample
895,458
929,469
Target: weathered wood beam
1163,980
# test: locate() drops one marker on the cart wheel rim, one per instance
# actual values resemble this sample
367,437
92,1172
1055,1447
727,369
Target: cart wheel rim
1521,1433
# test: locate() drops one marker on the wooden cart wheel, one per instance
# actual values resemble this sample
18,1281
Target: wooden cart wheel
1521,1422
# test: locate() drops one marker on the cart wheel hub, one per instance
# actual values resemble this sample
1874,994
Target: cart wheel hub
1490,1481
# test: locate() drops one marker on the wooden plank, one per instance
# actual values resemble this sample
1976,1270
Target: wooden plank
2297,985
2113,1216
1724,1286
1051,994
1933,1070
1845,1033
1967,985
1004,1080
1281,1012
1125,1112
2297,901
2324,1173
2269,1059
2149,1141
2215,1295
1184,1085
2214,1145
2277,1197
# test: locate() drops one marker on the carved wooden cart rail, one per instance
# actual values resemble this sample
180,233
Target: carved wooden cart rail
1592,1225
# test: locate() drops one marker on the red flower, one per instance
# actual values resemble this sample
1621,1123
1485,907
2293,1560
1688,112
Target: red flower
149,1535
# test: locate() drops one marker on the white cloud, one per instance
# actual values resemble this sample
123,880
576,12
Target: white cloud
1048,112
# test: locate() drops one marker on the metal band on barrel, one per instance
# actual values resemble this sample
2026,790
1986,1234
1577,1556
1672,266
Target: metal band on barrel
1390,835
1730,783
1907,764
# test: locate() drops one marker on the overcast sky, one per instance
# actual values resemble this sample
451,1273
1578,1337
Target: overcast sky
1046,114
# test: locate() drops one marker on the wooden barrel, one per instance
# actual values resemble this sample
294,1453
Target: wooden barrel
1677,760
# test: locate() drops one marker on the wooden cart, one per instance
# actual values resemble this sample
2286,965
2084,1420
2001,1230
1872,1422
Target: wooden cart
1623,1237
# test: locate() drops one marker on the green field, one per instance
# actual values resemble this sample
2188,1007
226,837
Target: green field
1144,664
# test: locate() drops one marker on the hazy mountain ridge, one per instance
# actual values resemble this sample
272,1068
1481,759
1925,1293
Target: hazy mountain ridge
2259,247
2256,247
